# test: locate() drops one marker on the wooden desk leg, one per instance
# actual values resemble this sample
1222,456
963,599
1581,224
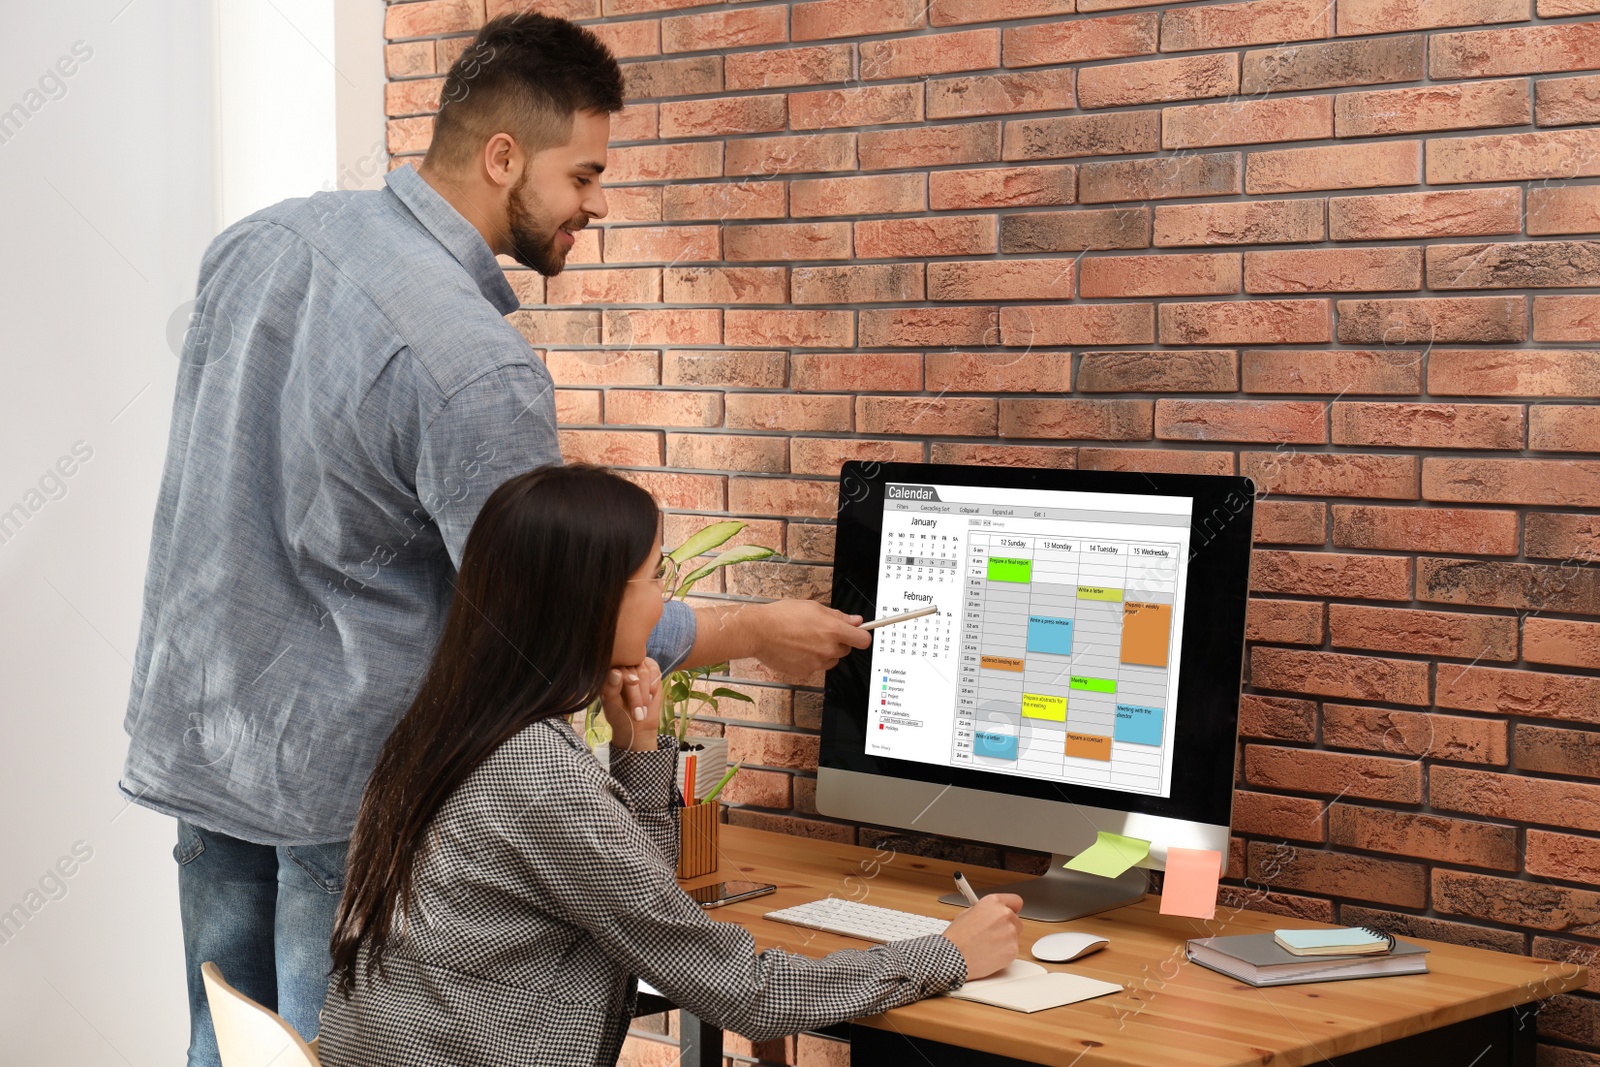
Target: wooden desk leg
699,1043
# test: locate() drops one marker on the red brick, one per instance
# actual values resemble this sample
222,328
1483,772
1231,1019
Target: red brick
946,12
409,135
940,53
662,244
1005,279
1513,264
784,67
450,49
788,241
1053,456
1561,642
722,200
1492,583
1556,536
1564,428
1069,324
1424,837
1522,50
1337,675
871,105
1103,420
676,326
930,146
1166,178
853,18
1515,798
639,407
1333,270
1556,482
765,789
655,162
1253,22
1075,231
1567,101
1002,187
1403,529
1473,105
772,748
1245,322
816,829
558,327
938,235
737,452
619,7
1338,773
952,416
1357,17
878,194
1294,118
649,79
1257,222
1456,213
1081,40
1199,274
613,448
724,29
576,407
1331,574
1568,952
1156,460
1554,9
1517,902
1514,372
641,37
592,367
633,203
1548,750
799,154
416,97
432,18
1429,425
1415,733
856,371
1116,133
605,287
1433,319
1290,522
721,116
859,283
1531,694
1346,372
788,412
408,60
636,122
1277,718
917,327
801,329
999,94
1332,474
1334,167
1562,209
825,455
1295,818
726,285
1332,64
1428,633
1290,421
1557,154
809,540
1565,856
1161,371
1283,622
999,372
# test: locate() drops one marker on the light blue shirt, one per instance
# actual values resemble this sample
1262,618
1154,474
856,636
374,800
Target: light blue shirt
349,394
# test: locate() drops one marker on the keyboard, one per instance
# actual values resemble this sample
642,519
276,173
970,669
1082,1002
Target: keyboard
854,919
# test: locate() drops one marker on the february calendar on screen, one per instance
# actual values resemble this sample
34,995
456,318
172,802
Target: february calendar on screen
1053,651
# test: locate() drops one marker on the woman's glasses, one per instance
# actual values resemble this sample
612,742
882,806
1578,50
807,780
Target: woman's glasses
666,574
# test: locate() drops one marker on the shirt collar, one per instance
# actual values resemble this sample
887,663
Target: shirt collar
459,237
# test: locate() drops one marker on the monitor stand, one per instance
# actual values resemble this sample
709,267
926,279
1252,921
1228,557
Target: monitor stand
1061,894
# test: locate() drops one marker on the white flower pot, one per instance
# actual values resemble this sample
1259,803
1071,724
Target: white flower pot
711,762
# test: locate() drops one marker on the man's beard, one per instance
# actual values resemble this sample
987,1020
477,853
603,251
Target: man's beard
529,244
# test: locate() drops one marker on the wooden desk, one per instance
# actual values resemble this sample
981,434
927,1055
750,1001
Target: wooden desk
1171,1011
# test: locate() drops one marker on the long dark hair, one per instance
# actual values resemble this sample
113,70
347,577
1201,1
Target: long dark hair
528,636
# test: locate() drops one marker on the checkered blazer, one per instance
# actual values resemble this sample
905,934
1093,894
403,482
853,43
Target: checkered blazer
547,888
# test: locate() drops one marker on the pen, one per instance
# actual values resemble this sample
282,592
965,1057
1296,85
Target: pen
890,620
966,890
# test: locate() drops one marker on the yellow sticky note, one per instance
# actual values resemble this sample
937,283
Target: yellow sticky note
1190,887
1110,855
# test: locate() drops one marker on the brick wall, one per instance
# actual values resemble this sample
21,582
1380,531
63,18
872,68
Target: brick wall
1342,248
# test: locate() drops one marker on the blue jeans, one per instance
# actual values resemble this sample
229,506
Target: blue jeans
264,915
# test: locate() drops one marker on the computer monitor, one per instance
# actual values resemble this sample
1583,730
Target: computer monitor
1082,673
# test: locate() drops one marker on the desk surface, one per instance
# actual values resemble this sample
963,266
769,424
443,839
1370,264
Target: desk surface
1167,1003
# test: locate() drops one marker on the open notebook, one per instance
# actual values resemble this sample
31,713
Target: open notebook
1025,986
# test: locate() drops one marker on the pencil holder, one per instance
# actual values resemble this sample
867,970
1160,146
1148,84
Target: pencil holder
697,839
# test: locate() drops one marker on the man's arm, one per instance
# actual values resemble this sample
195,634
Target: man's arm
793,637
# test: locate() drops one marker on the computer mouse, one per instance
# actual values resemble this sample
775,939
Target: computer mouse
1066,946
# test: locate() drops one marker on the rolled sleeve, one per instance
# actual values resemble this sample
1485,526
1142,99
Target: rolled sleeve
673,636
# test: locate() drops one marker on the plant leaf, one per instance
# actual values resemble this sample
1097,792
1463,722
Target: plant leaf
705,540
732,694
738,554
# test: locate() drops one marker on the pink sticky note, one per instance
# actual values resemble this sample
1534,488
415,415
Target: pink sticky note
1191,884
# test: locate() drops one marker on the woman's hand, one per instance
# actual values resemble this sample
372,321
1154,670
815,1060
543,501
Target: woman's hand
986,934
631,700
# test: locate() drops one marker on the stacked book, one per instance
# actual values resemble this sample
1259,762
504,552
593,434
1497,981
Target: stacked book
1285,957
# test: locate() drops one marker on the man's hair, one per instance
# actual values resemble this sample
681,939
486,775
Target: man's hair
526,75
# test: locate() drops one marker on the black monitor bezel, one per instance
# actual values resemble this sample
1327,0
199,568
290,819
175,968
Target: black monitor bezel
1212,651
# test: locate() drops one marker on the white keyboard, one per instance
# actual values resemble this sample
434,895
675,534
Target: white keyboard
853,919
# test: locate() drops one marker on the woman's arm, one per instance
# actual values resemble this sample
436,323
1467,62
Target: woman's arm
652,779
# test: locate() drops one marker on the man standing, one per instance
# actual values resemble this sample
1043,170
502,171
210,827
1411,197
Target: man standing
349,395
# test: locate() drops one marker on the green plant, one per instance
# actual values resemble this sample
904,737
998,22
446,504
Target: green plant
682,701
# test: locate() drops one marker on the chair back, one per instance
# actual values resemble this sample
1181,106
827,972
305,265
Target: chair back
249,1035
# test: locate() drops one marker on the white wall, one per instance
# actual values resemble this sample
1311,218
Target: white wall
113,180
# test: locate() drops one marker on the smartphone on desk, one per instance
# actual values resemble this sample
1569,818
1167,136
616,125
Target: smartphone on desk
719,893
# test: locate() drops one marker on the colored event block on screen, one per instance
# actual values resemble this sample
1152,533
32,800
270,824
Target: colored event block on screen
1049,635
1039,706
1005,569
1138,725
1089,746
1145,632
1098,592
993,745
1001,663
1094,685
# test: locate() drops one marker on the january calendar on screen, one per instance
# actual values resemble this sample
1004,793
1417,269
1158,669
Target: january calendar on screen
1054,651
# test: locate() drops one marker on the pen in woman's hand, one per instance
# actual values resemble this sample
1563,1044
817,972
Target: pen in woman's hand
966,890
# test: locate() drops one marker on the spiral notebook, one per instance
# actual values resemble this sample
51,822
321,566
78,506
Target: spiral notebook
1028,987
1259,960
